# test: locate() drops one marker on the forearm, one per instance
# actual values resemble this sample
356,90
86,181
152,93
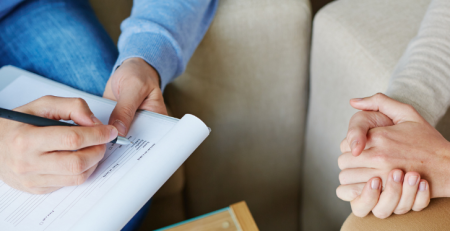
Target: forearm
422,76
165,33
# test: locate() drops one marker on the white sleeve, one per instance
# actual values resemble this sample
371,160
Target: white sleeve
422,76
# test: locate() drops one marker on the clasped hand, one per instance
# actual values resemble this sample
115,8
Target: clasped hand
384,140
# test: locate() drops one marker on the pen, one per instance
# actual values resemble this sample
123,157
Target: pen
44,122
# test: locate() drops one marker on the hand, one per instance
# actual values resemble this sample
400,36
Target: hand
411,144
40,160
400,195
134,85
359,126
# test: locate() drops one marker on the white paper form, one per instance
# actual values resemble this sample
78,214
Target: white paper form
124,180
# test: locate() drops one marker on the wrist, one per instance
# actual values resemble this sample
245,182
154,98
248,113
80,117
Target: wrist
141,63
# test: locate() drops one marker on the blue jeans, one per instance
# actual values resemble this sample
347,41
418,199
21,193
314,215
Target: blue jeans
63,41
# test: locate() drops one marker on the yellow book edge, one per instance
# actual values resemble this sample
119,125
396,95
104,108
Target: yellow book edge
235,217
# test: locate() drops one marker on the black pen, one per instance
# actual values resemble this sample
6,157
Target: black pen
44,122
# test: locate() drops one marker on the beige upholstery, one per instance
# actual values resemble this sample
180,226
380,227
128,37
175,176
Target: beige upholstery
248,82
435,217
356,45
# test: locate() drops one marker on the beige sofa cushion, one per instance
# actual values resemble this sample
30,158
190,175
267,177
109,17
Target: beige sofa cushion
356,45
248,82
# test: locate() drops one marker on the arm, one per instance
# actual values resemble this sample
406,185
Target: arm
155,46
421,79
165,34
422,76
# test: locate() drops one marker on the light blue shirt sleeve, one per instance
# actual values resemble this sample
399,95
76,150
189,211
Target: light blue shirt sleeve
165,33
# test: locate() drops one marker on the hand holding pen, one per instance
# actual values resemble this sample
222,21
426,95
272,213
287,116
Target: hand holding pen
43,159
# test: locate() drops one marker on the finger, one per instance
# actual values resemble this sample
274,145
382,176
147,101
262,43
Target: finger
390,197
40,191
349,192
60,108
154,102
396,111
71,138
366,160
344,146
358,175
127,104
363,204
57,181
409,191
360,124
422,197
69,163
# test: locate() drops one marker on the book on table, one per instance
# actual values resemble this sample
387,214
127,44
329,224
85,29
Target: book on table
125,179
236,217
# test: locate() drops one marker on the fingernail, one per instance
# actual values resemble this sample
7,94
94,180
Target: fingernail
412,180
95,120
423,186
120,127
397,176
357,99
113,133
375,183
353,145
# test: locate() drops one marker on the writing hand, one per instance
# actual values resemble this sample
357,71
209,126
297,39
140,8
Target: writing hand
134,85
43,159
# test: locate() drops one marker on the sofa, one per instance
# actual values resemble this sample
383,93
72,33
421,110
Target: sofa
276,97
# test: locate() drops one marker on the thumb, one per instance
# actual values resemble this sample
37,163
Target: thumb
396,111
359,126
123,113
154,103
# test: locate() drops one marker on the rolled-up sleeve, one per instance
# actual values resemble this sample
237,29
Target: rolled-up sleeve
165,33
